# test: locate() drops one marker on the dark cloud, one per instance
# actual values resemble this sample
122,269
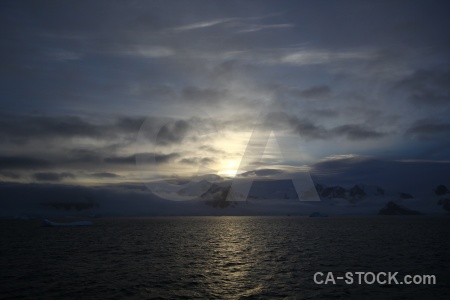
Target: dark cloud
10,175
165,158
428,87
327,113
83,156
203,96
197,160
105,175
52,176
303,127
49,127
306,128
429,128
356,132
140,58
212,150
314,92
422,175
156,92
22,162
156,158
262,173
383,60
173,133
128,124
43,127
121,159
309,130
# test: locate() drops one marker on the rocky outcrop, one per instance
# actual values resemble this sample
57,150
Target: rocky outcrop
391,208
357,192
441,190
445,203
334,192
216,197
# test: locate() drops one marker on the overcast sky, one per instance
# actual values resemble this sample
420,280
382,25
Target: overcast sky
86,86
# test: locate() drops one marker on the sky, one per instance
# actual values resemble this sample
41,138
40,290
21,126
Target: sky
101,92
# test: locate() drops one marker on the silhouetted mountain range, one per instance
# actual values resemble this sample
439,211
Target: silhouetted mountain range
391,208
266,197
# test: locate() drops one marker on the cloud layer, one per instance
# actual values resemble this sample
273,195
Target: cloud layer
183,85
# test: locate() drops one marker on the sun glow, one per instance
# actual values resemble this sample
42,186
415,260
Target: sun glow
229,169
228,173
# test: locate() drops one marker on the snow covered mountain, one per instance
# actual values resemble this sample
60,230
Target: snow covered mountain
345,186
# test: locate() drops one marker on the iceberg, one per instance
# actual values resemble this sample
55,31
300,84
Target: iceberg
78,223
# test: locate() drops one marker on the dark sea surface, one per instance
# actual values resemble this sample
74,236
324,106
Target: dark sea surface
222,257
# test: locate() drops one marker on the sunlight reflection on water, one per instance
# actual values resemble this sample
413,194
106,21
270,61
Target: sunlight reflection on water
220,257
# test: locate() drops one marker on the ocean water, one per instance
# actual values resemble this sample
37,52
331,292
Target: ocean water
222,257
